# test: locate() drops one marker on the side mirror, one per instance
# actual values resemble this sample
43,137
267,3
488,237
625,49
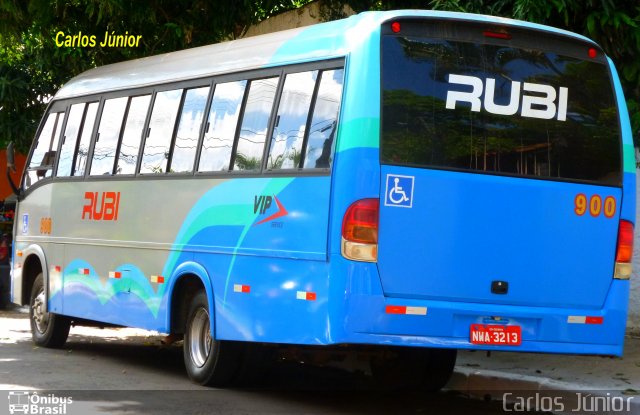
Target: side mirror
11,157
11,167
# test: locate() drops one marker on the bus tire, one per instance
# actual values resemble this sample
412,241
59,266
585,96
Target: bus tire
47,329
208,361
438,368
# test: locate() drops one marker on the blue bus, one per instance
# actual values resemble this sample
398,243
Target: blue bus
402,184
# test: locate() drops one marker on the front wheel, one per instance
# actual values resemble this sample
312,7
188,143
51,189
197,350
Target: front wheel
47,329
208,361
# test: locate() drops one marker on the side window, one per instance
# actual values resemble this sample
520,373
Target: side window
221,126
132,134
163,120
104,153
291,120
255,121
82,154
186,142
44,155
70,139
322,129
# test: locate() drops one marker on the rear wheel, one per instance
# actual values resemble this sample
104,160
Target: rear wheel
208,361
415,368
47,329
438,369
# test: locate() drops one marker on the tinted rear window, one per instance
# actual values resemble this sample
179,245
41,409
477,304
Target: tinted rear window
498,106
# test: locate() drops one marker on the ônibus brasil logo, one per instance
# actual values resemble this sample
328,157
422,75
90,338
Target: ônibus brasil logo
32,403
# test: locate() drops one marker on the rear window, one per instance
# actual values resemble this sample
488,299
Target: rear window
531,105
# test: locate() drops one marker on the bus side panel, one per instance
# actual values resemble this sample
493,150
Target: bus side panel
31,239
270,299
280,262
628,210
628,152
115,285
356,165
356,176
267,234
55,252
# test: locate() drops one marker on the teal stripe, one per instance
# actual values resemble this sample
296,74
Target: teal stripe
361,132
629,157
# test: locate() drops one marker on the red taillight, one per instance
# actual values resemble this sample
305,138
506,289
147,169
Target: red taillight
624,251
592,53
395,27
360,231
360,223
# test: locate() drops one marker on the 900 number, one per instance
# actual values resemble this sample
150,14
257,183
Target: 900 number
595,205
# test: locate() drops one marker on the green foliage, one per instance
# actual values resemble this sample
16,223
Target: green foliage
32,67
247,163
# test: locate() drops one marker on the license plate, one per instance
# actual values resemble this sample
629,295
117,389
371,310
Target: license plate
495,334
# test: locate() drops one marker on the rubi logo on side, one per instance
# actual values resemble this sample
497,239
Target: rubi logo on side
101,206
543,105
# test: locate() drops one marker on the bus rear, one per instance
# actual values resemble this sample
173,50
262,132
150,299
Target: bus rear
507,191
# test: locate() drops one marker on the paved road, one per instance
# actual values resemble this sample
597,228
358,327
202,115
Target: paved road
119,371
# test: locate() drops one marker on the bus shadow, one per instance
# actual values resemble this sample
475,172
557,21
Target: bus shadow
131,354
157,383
283,402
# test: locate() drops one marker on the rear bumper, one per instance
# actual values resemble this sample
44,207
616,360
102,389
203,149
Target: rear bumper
447,324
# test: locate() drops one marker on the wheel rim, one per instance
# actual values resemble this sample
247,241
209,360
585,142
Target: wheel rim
200,337
39,314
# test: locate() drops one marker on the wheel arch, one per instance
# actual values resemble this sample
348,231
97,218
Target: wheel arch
184,283
34,263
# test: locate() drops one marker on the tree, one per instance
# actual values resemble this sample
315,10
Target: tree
33,66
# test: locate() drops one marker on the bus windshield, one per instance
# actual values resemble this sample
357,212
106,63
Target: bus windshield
518,103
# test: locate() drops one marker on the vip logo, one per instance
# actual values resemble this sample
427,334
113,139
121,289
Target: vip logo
103,206
262,203
542,105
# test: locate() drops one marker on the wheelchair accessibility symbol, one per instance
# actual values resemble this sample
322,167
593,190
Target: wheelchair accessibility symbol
399,191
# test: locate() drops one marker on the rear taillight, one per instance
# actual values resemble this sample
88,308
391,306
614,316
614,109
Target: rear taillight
624,250
360,231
